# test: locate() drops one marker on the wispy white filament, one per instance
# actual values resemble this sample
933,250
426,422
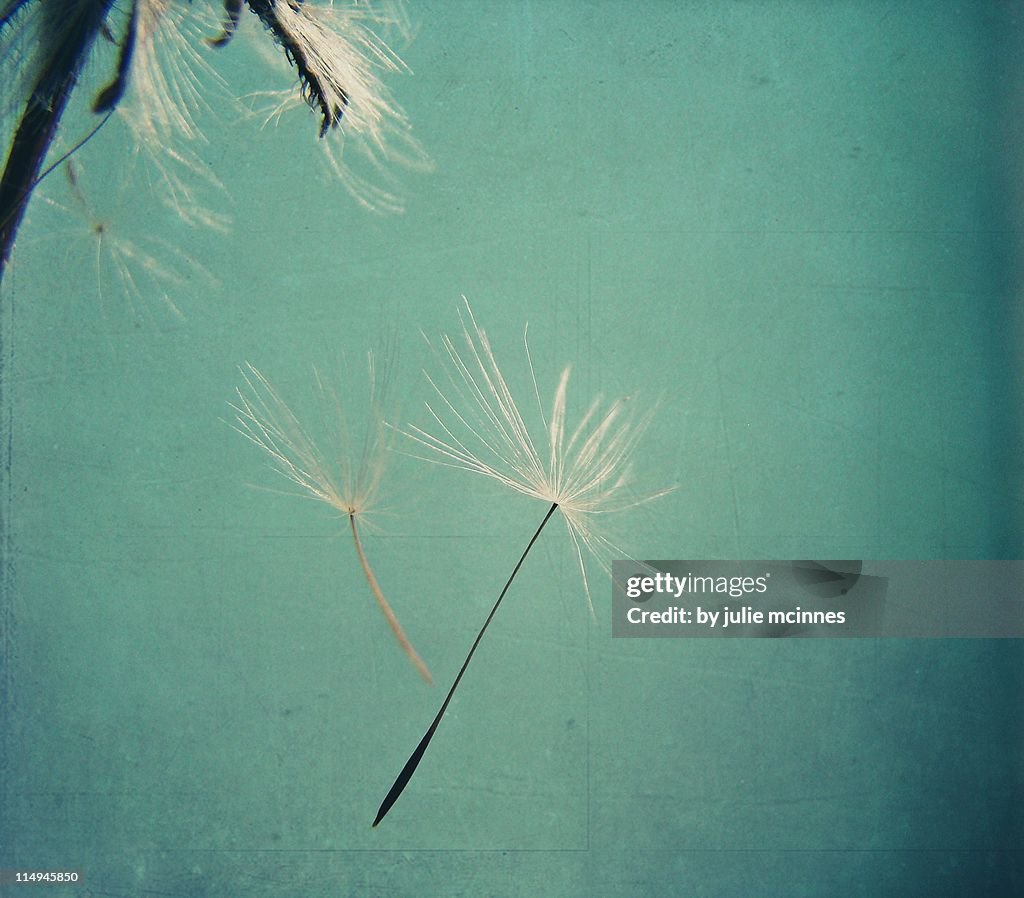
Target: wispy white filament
478,426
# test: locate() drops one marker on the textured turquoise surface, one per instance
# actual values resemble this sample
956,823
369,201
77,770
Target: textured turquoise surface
796,227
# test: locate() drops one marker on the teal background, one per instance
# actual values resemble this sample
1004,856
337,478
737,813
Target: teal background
795,226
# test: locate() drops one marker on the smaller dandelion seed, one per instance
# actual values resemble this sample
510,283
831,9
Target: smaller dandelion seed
350,485
128,262
582,471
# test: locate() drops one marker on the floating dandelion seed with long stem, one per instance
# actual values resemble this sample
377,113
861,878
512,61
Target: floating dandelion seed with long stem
582,473
350,486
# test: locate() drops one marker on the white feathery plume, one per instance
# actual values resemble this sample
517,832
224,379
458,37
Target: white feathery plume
349,485
585,470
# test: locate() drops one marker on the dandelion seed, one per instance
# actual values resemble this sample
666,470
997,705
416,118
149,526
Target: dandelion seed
586,471
350,485
342,60
127,263
140,265
583,472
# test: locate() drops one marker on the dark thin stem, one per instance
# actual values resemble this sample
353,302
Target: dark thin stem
53,166
414,759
